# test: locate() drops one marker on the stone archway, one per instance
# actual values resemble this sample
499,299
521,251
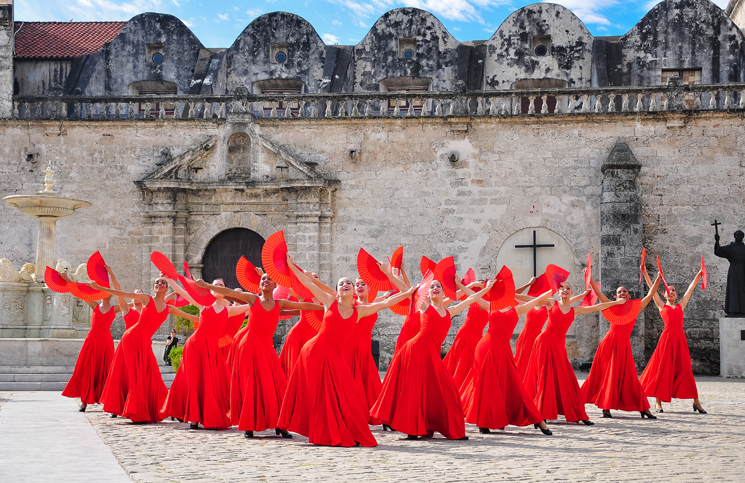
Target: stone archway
223,252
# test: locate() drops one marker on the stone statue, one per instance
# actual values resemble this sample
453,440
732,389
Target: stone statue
734,300
64,266
7,272
27,273
80,275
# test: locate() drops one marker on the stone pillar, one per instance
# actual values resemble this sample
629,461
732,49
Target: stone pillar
46,245
7,46
621,231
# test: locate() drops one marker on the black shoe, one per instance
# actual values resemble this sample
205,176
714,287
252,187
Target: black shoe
387,428
587,422
285,434
647,414
607,415
411,436
547,432
81,410
194,426
659,410
484,431
179,420
700,411
464,438
277,431
112,415
248,434
173,419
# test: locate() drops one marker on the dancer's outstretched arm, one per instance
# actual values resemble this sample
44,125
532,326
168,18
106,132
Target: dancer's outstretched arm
245,297
320,294
540,300
657,299
598,307
652,292
522,288
374,308
130,295
684,301
458,308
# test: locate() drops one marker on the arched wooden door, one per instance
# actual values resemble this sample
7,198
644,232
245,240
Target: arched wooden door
224,251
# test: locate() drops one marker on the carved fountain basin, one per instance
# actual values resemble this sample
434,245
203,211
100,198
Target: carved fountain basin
42,205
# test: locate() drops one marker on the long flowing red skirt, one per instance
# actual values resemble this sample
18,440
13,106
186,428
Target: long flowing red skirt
296,338
359,359
669,373
135,388
323,401
534,320
493,394
459,358
94,361
613,382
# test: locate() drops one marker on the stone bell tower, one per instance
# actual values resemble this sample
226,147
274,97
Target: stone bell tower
7,47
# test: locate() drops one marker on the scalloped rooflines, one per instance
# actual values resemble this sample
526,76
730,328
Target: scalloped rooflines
407,11
265,17
548,5
165,17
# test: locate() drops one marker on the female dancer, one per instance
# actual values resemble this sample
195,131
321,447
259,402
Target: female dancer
550,379
534,320
493,394
296,338
459,358
419,395
323,401
669,374
613,382
135,388
258,383
94,361
412,322
232,327
130,313
202,392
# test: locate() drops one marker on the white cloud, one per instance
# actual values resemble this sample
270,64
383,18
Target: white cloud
362,24
188,24
176,3
254,12
91,10
588,10
223,16
336,22
330,39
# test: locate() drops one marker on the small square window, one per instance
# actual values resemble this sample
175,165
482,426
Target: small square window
541,45
406,48
154,53
278,53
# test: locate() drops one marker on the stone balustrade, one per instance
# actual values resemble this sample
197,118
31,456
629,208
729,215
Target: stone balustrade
512,103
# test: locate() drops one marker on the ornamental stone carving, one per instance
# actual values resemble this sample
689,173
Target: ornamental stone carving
7,273
27,273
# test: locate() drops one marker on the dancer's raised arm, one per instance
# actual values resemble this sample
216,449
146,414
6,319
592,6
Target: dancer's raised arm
540,300
657,299
121,301
324,297
397,282
520,289
245,297
181,291
652,292
375,307
598,307
684,301
460,307
468,290
117,293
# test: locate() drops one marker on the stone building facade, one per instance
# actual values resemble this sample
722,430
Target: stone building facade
603,145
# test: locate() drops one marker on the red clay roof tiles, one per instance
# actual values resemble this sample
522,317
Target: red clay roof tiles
62,40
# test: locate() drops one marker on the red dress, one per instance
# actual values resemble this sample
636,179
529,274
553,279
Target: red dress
669,374
323,401
296,338
131,318
94,361
135,388
493,394
231,328
201,395
258,383
460,356
613,382
359,359
550,379
419,395
534,320
410,328
230,359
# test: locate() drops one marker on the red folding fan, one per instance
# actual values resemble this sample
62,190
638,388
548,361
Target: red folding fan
246,274
641,266
163,264
371,273
274,259
426,264
662,274
540,286
704,278
202,296
397,258
588,272
301,290
590,298
502,294
187,271
467,280
624,313
445,273
96,268
84,292
556,275
422,292
401,308
55,282
314,317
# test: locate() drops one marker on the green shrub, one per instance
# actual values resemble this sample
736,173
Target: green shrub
185,325
176,354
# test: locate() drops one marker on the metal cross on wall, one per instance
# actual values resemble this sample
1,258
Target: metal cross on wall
535,246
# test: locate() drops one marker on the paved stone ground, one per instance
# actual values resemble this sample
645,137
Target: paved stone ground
680,446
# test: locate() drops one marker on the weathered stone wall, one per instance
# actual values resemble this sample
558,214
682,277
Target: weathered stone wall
40,77
736,11
511,53
511,174
7,48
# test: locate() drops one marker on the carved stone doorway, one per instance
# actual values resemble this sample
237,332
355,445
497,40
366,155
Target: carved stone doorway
224,251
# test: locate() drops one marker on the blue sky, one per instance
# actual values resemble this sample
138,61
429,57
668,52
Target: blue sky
217,23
